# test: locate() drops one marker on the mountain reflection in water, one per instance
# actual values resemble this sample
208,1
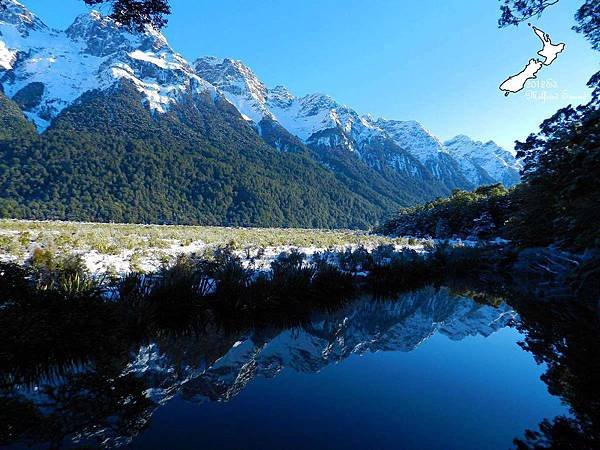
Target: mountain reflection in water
119,399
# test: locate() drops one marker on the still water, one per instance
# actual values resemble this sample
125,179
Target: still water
430,370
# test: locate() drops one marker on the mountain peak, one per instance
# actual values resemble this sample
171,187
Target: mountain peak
16,14
239,84
464,140
459,138
280,97
103,36
230,73
414,137
407,125
312,104
210,60
484,160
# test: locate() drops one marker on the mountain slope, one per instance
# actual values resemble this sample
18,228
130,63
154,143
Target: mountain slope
419,142
341,139
321,123
484,163
108,158
124,118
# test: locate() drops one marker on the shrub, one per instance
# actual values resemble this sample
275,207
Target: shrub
482,212
358,260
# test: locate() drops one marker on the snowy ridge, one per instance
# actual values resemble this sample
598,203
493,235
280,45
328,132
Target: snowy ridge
478,160
93,53
303,117
319,121
51,69
412,136
16,14
422,144
238,83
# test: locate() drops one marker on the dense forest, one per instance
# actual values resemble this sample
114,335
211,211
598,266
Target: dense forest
108,158
557,202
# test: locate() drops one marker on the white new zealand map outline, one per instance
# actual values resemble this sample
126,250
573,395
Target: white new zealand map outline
549,53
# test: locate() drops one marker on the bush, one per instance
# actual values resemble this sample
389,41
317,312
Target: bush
65,276
481,213
354,261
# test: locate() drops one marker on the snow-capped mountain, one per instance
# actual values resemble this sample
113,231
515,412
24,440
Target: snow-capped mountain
482,162
302,117
51,69
240,86
321,122
45,71
422,144
342,140
316,119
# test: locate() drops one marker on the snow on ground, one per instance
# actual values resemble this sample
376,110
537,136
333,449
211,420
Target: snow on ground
151,259
259,259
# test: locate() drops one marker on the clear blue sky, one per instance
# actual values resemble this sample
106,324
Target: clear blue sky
436,61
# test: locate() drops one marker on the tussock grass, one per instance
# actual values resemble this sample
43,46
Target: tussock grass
18,237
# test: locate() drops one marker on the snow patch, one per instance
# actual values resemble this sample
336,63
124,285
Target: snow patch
7,58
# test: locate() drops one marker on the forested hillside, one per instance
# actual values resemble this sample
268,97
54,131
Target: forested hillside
557,204
108,158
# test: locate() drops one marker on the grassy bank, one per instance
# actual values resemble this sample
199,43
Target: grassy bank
136,247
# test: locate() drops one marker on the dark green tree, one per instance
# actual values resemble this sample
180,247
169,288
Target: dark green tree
135,14
587,17
559,200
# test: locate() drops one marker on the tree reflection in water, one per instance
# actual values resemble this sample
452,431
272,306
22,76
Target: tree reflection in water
565,336
107,398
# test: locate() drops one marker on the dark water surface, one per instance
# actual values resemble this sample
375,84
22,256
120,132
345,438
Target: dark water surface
430,370
472,394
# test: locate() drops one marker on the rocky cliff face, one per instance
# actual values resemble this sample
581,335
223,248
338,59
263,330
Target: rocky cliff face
428,149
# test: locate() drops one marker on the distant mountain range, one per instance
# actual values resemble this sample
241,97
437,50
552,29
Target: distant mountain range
321,122
127,130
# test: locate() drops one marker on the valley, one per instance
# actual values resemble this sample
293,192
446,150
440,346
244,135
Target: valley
102,123
211,251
